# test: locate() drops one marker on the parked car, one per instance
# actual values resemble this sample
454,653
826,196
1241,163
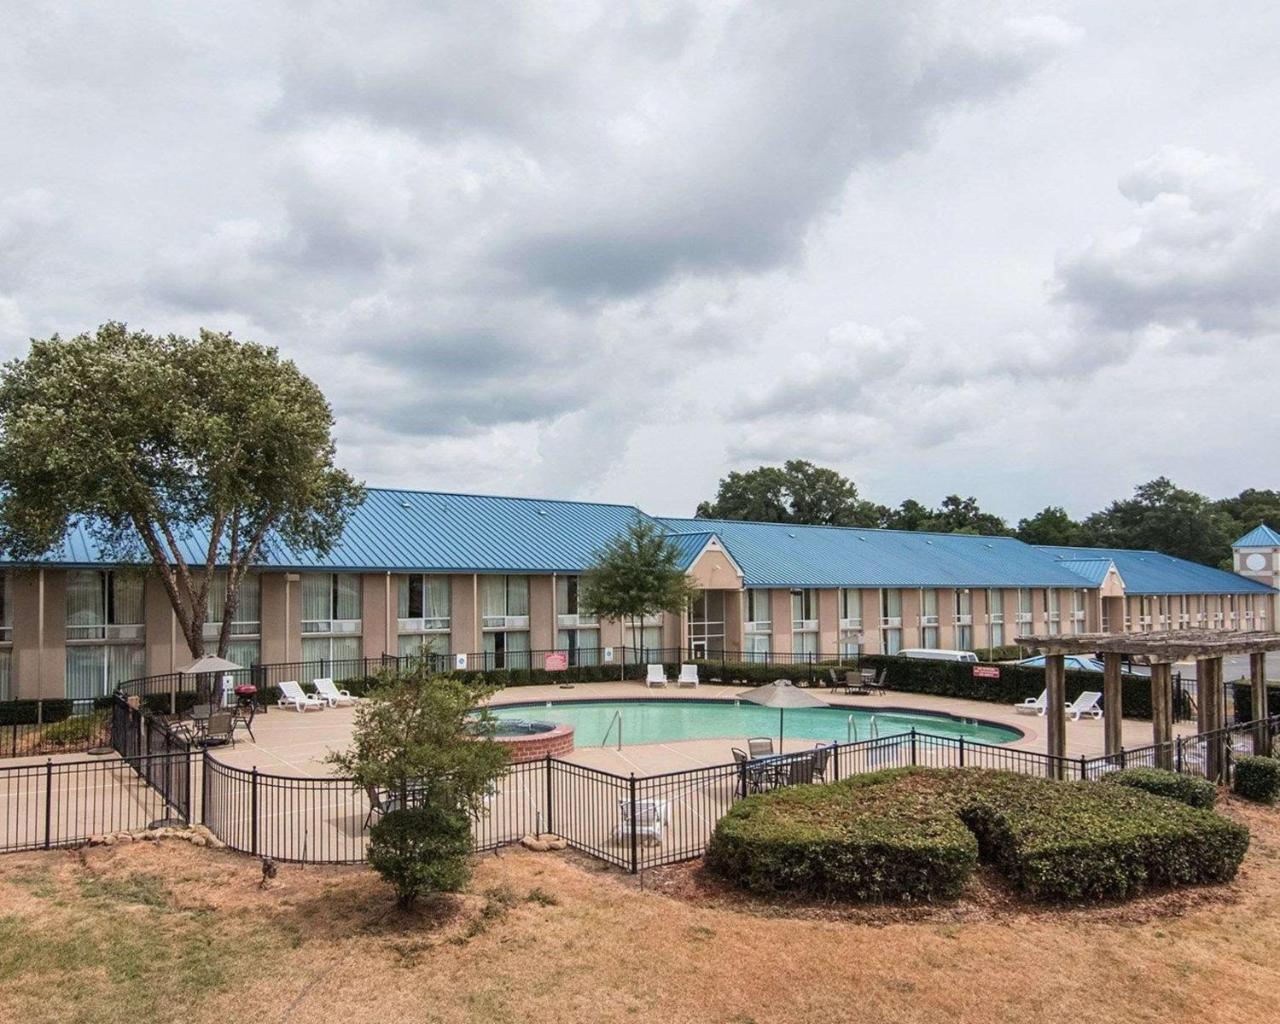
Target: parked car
937,654
1075,662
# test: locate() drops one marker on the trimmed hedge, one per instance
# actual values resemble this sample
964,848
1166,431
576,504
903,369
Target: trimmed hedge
1015,684
1186,789
865,838
909,835
1256,778
1242,695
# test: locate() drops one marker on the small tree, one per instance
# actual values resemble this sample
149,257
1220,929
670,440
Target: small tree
154,441
427,741
635,574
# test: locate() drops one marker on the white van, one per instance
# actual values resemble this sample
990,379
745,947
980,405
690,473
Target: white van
935,654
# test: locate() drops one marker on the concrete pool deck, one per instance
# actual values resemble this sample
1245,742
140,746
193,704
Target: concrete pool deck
292,743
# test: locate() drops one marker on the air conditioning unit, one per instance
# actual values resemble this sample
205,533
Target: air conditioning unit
850,624
344,626
567,621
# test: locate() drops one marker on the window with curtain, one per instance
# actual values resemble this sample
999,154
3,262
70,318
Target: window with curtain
756,608
891,604
995,606
247,620
964,603
503,597
804,606
1024,604
891,640
758,645
328,598
105,631
582,645
929,607
647,638
423,602
964,638
851,607
507,649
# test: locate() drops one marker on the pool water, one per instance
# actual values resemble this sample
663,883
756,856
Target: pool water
665,721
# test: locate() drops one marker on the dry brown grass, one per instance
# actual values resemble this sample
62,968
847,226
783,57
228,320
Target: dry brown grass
171,932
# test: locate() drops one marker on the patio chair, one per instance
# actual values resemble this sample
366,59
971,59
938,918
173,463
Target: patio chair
753,772
657,676
650,816
331,695
799,770
688,676
821,760
760,746
378,804
219,730
291,696
1088,703
1032,705
878,683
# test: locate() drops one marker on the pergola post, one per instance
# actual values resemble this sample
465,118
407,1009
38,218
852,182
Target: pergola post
1258,680
1203,685
1214,721
1055,702
1112,705
1162,713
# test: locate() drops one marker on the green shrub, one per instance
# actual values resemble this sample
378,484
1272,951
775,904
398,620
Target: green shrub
860,839
1256,778
916,834
1242,693
28,712
1015,684
1186,789
421,850
81,731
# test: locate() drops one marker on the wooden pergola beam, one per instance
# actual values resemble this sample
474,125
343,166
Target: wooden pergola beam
1168,645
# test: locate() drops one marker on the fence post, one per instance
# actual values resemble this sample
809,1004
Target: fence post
549,828
1084,770
204,786
835,764
40,712
913,744
961,751
253,812
635,859
1177,747
809,658
48,801
1122,758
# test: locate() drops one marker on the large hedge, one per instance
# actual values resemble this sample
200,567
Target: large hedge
1242,694
1256,778
1187,789
908,835
1015,684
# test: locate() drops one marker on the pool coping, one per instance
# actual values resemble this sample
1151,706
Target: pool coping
725,699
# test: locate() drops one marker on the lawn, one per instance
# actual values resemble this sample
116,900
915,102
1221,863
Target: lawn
170,932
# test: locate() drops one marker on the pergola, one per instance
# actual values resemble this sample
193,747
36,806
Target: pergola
1160,651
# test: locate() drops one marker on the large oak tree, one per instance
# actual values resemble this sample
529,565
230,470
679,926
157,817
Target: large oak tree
152,441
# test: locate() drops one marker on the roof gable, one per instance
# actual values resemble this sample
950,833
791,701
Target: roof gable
1261,536
1152,572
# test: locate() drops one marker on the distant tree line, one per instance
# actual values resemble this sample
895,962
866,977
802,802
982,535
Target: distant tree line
1160,516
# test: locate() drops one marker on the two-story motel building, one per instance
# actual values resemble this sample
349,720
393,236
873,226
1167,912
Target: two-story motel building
498,576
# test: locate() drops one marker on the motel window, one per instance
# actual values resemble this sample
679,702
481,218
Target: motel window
804,622
964,619
758,647
245,647
850,621
6,639
756,612
928,618
105,632
1024,605
706,618
995,617
645,642
1077,611
567,601
578,634
423,615
891,621
581,645
331,626
504,602
1053,611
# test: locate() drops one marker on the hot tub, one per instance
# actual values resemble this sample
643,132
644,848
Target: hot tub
530,741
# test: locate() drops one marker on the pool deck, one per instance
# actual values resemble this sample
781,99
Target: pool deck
292,743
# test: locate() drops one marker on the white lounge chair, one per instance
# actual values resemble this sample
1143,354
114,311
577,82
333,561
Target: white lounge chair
1032,705
657,676
651,815
688,676
291,696
1086,704
331,695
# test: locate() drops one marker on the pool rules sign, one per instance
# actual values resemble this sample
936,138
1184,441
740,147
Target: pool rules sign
557,662
986,672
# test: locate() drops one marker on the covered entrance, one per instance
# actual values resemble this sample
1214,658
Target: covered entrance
707,624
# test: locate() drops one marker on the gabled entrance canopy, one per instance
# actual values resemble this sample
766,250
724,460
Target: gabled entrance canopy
1159,650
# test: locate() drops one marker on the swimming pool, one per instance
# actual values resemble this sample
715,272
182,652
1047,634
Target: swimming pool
665,721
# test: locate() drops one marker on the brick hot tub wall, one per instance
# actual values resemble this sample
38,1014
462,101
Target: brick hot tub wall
556,743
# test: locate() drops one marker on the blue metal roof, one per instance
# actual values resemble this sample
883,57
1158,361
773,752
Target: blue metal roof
1259,537
1092,569
690,546
786,555
1150,572
424,531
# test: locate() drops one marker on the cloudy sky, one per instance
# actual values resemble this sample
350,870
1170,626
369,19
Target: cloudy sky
1028,251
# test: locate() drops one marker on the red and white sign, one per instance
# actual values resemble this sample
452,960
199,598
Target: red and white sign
556,662
986,672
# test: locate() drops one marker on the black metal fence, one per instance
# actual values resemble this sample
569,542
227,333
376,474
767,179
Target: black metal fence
35,727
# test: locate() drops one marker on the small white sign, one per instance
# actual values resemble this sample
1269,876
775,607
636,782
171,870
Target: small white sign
608,654
460,662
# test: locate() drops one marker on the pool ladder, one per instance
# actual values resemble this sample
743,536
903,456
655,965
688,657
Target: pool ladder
615,720
851,729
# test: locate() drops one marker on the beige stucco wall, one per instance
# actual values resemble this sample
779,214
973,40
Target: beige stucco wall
712,570
981,631
167,648
375,622
871,621
542,636
828,621
281,617
780,616
947,618
912,602
464,626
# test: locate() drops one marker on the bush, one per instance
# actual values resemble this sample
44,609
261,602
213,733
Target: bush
80,731
28,712
1186,789
421,850
1256,778
1015,684
861,839
1242,693
916,834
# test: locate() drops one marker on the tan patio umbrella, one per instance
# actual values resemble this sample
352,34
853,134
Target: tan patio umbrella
782,695
203,668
